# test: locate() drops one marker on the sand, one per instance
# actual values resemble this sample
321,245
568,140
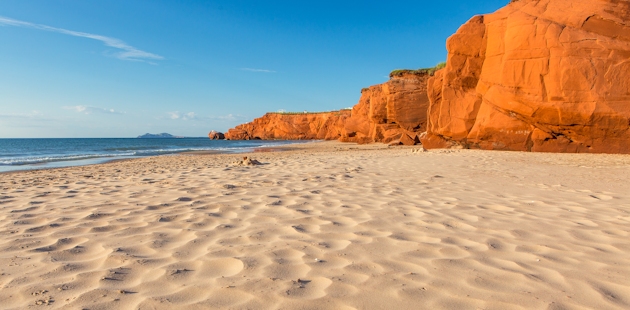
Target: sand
324,226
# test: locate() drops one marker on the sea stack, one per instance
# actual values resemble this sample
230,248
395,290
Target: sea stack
215,135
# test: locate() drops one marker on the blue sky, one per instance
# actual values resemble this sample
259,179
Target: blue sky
87,68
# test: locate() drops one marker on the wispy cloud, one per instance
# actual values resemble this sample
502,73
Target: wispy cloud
34,114
91,110
183,116
257,70
24,120
192,116
127,52
229,117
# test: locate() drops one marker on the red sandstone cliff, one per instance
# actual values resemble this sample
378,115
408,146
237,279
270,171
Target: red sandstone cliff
537,75
395,110
292,126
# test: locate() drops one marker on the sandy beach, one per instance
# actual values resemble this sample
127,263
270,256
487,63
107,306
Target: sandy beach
321,226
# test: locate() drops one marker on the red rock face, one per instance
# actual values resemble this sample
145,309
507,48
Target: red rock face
215,135
298,126
537,75
395,110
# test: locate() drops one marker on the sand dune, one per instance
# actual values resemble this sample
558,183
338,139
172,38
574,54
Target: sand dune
325,226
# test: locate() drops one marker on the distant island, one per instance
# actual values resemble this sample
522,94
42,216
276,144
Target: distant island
158,136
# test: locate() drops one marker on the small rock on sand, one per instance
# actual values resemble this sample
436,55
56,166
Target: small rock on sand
247,162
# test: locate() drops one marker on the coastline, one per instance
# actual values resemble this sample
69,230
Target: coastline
106,158
324,225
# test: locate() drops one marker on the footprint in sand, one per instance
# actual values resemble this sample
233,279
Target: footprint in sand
222,267
308,288
601,197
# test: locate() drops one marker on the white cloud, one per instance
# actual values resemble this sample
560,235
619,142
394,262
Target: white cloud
229,117
192,116
90,110
189,115
183,116
126,52
33,114
257,70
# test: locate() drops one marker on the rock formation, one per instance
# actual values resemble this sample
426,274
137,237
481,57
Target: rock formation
537,75
215,135
292,126
395,110
247,162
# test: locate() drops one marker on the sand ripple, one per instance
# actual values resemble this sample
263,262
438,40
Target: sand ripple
350,229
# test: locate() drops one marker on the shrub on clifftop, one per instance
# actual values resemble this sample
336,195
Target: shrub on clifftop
424,71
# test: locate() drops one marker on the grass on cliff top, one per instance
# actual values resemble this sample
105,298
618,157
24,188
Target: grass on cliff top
424,71
307,112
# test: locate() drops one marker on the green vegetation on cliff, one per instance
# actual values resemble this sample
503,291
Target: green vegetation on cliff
423,71
306,112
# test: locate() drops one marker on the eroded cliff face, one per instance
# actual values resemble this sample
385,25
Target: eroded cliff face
292,126
537,75
395,110
392,111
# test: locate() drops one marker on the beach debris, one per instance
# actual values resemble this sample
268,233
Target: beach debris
299,228
46,302
246,162
180,271
301,283
42,292
420,150
167,218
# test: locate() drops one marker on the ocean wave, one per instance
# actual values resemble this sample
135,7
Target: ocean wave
48,159
33,160
133,151
131,148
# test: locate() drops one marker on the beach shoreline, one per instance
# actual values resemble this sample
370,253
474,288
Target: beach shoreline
42,162
323,225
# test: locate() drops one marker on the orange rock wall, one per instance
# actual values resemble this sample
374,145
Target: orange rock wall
395,110
302,126
537,75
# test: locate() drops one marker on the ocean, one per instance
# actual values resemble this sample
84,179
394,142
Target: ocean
25,154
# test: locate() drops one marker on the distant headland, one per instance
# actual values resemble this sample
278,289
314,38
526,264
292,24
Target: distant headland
158,136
